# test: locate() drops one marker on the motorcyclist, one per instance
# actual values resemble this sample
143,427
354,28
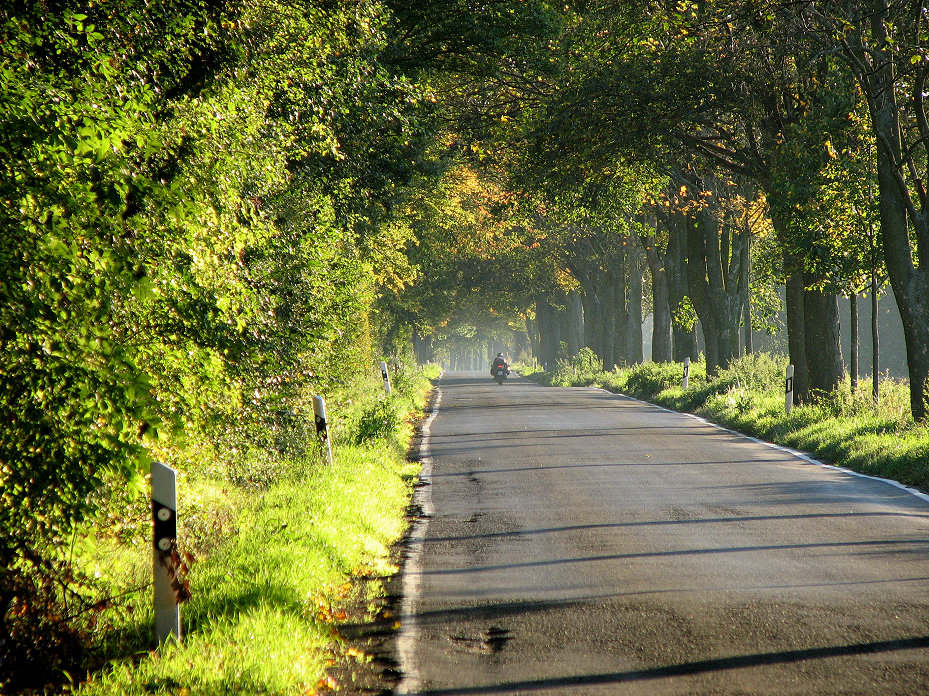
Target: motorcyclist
499,361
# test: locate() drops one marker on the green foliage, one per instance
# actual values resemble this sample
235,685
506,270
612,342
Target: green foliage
586,360
824,188
196,205
583,368
684,315
651,378
377,421
272,567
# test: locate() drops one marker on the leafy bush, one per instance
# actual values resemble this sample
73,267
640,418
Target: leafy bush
378,421
652,378
583,369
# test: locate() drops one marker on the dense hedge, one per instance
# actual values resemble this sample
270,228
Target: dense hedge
194,232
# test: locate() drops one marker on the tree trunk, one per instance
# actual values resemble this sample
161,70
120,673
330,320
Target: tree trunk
823,341
608,306
714,276
875,345
796,335
549,332
748,341
683,340
853,340
574,326
910,284
532,331
794,301
661,311
594,318
633,333
661,318
696,283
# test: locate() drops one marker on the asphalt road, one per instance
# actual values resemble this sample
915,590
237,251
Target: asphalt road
579,542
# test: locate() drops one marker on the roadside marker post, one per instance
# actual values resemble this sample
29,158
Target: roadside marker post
789,389
386,375
164,518
686,373
322,428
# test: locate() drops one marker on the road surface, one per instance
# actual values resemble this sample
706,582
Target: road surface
580,542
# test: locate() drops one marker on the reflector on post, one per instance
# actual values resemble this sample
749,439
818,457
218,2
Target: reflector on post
386,375
322,428
164,519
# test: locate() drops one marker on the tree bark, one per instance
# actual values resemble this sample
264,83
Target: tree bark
696,284
532,331
796,335
633,351
875,344
661,317
794,304
714,276
853,340
823,341
910,284
748,342
683,340
574,323
593,316
549,332
610,305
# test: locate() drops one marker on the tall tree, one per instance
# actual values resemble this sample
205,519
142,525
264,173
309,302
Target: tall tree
715,77
886,45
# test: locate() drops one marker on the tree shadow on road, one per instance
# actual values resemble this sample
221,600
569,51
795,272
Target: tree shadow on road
692,668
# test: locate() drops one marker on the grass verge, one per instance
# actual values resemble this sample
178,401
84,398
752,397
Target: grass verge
843,428
274,569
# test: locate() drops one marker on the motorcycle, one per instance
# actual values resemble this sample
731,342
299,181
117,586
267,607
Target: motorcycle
500,372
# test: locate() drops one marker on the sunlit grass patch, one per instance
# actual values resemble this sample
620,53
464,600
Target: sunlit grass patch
260,651
262,608
271,572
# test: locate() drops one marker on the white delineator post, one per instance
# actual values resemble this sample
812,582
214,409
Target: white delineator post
789,389
322,428
686,373
164,516
386,375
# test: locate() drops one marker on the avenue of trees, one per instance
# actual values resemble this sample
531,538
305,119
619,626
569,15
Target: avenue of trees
729,149
212,210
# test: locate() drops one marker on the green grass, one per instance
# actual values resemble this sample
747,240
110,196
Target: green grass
843,429
260,619
273,565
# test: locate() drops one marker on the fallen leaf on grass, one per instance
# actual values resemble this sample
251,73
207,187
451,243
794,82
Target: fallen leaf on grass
327,684
356,653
